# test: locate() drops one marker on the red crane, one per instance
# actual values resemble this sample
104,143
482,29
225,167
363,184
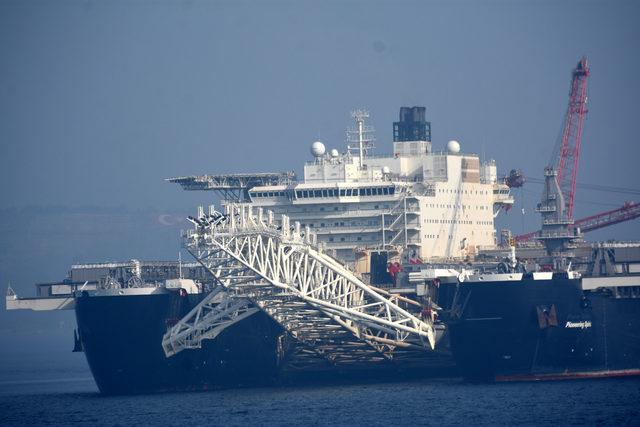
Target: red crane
567,166
568,157
627,212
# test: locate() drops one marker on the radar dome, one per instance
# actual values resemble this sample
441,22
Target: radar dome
386,170
334,153
317,149
453,147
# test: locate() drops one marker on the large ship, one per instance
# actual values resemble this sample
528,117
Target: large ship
141,324
546,325
520,322
347,273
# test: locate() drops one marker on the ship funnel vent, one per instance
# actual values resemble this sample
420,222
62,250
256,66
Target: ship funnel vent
412,126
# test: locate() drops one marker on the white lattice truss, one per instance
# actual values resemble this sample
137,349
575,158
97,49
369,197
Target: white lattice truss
206,321
279,269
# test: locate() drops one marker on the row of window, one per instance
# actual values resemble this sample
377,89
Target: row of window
456,221
436,205
358,239
454,191
269,194
346,192
447,221
437,236
370,223
332,192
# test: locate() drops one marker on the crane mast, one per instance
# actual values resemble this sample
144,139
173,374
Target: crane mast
567,163
556,208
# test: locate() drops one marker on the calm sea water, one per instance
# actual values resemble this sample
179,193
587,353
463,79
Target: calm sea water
72,398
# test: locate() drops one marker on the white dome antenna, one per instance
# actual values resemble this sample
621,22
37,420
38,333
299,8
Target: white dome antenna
453,147
318,149
334,153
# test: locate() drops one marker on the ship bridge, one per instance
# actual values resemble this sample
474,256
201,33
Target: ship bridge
263,264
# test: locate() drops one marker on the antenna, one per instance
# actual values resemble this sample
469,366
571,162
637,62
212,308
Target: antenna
361,135
179,265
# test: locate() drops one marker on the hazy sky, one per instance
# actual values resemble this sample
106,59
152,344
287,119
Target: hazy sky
99,101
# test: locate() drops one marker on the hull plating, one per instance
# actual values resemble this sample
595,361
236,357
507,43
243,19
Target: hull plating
545,329
122,335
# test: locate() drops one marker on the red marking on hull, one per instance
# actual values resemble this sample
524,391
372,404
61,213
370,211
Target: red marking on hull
568,375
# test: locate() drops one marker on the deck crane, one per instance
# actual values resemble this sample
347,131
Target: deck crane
627,212
567,155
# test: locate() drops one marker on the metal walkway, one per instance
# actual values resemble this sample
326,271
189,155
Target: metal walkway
278,268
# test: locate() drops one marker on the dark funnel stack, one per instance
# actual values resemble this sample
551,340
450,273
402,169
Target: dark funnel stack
412,126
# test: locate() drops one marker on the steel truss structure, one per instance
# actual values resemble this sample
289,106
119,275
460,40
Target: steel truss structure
279,269
233,187
206,321
569,154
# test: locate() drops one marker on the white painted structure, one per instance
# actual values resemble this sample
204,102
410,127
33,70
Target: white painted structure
436,205
262,262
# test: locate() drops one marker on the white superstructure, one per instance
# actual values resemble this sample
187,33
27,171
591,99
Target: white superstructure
417,201
436,204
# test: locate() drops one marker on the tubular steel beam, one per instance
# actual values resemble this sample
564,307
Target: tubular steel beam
278,268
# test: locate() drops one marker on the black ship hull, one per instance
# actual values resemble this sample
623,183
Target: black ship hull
543,329
122,340
121,336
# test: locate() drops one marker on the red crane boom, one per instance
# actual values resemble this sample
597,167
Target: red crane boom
627,212
569,155
567,166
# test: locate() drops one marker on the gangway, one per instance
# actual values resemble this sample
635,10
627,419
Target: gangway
280,269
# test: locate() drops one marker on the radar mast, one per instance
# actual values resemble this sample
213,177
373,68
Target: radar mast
361,135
